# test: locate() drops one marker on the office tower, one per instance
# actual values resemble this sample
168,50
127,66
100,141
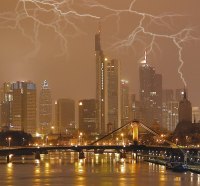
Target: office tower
136,109
113,83
179,94
172,115
169,110
150,94
157,98
45,108
185,110
101,85
64,116
196,114
87,116
125,103
6,105
24,107
167,98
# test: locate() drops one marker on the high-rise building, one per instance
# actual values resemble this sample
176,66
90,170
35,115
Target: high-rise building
6,105
172,115
150,94
113,83
24,107
101,85
196,114
185,110
136,109
125,103
45,108
64,116
179,94
169,110
167,98
87,116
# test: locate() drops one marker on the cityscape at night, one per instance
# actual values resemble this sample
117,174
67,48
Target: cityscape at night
97,92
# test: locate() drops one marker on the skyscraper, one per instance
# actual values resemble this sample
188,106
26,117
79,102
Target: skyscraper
185,110
179,94
45,108
169,110
125,103
64,116
136,109
24,107
101,85
196,114
6,105
150,93
87,116
113,83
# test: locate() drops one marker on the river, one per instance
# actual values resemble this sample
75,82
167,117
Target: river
64,168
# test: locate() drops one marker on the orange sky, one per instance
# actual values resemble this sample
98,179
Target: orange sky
61,48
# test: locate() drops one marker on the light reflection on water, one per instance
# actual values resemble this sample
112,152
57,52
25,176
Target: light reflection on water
64,168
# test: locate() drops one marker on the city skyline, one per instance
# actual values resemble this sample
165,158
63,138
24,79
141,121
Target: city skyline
99,92
75,69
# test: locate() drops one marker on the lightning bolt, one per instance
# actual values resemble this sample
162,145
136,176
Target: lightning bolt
64,15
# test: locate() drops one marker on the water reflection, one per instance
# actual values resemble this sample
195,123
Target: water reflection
9,174
64,168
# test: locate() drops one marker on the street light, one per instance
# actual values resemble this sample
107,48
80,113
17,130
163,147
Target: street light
117,140
47,140
9,139
122,135
52,129
176,141
23,141
80,137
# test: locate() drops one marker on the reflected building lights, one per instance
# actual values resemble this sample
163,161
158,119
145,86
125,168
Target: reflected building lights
96,158
97,163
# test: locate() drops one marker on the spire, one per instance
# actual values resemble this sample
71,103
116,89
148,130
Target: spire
98,38
145,58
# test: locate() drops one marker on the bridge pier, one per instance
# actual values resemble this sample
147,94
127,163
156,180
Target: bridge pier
135,133
8,158
122,154
81,155
135,156
98,151
37,155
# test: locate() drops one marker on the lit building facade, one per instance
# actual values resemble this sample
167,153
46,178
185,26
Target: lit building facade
185,110
87,116
196,114
150,94
64,116
101,86
125,103
24,107
136,108
6,105
113,83
179,94
45,109
169,110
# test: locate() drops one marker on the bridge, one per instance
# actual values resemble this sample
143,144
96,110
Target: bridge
166,152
